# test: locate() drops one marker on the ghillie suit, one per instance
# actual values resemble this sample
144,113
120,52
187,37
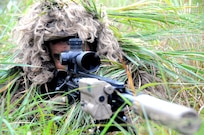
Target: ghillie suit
47,21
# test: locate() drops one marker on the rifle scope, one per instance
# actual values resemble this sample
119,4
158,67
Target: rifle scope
78,60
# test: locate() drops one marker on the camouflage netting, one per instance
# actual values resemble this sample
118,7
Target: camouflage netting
47,21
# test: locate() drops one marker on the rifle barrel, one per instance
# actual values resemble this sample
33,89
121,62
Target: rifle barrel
182,119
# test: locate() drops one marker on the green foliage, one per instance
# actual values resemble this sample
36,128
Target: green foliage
165,34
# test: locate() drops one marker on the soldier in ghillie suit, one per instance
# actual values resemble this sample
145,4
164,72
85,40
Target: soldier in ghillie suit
42,34
50,23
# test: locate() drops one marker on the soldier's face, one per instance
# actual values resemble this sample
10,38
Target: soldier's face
56,49
59,47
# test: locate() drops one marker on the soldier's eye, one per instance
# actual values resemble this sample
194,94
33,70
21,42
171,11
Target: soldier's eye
56,56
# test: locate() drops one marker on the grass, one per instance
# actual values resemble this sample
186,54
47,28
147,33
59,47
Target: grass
165,34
